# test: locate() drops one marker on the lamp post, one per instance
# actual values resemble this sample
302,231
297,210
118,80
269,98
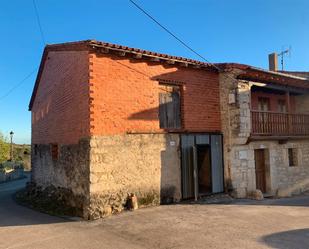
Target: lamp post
11,149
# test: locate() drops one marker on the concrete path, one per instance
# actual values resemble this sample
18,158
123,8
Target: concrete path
282,224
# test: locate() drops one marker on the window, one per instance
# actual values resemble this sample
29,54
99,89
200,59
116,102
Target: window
293,157
264,104
169,107
54,151
281,105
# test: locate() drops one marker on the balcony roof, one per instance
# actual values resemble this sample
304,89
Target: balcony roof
252,73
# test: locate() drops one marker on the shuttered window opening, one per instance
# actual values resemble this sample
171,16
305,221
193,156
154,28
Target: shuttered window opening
293,157
169,108
54,151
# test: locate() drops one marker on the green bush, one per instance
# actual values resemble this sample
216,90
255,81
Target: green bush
4,149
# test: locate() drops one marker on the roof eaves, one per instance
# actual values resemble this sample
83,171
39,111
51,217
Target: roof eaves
148,54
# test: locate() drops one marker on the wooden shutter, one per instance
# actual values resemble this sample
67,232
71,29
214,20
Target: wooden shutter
162,110
169,110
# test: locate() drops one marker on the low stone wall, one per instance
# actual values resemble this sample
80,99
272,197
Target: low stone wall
147,165
11,175
68,173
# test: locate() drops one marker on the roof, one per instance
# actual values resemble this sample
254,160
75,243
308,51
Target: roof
105,47
248,72
303,74
262,75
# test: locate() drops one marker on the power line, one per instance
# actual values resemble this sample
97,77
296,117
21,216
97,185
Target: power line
32,72
17,85
173,35
38,20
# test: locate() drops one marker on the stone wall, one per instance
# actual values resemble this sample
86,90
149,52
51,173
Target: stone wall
70,171
281,179
235,118
99,173
147,165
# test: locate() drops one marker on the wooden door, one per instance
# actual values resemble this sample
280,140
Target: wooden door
260,169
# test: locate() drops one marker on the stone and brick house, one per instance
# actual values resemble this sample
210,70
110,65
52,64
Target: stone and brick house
265,124
109,121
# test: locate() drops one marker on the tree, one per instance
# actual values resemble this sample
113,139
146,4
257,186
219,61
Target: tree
4,149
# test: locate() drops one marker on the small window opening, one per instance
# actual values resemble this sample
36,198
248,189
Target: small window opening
293,157
54,151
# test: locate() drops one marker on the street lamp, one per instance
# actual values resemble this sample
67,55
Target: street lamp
11,149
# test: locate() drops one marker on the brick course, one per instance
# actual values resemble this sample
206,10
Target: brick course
82,94
60,112
124,95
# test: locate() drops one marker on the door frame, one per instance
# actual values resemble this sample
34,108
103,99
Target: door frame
266,170
194,145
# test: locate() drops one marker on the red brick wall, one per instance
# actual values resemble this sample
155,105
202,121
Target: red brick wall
273,98
60,113
125,98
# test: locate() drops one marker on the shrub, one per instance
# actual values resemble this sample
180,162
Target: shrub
4,149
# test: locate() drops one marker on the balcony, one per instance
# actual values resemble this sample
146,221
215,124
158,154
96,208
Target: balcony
266,123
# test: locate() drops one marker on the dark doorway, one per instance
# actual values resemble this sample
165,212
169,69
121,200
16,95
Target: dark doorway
260,169
204,169
202,165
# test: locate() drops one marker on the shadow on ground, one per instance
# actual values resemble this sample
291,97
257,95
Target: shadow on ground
293,239
12,214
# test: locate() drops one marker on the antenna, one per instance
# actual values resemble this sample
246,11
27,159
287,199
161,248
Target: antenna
283,53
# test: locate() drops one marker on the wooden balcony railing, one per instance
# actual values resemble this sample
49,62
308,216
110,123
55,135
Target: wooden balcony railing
279,124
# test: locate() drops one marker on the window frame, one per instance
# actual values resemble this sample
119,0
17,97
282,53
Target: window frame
173,91
293,158
261,103
282,103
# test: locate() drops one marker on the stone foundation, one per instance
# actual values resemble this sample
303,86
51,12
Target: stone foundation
69,173
52,200
105,170
147,165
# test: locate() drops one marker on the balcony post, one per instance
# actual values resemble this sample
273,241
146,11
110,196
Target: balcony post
288,109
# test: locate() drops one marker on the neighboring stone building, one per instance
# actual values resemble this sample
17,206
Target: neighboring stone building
265,123
109,121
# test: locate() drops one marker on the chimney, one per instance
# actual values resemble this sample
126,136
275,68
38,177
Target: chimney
273,62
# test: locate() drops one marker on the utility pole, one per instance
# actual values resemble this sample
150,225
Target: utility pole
11,148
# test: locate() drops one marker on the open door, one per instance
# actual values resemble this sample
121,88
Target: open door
204,170
201,165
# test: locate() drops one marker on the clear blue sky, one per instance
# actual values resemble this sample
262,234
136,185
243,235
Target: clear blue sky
223,31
